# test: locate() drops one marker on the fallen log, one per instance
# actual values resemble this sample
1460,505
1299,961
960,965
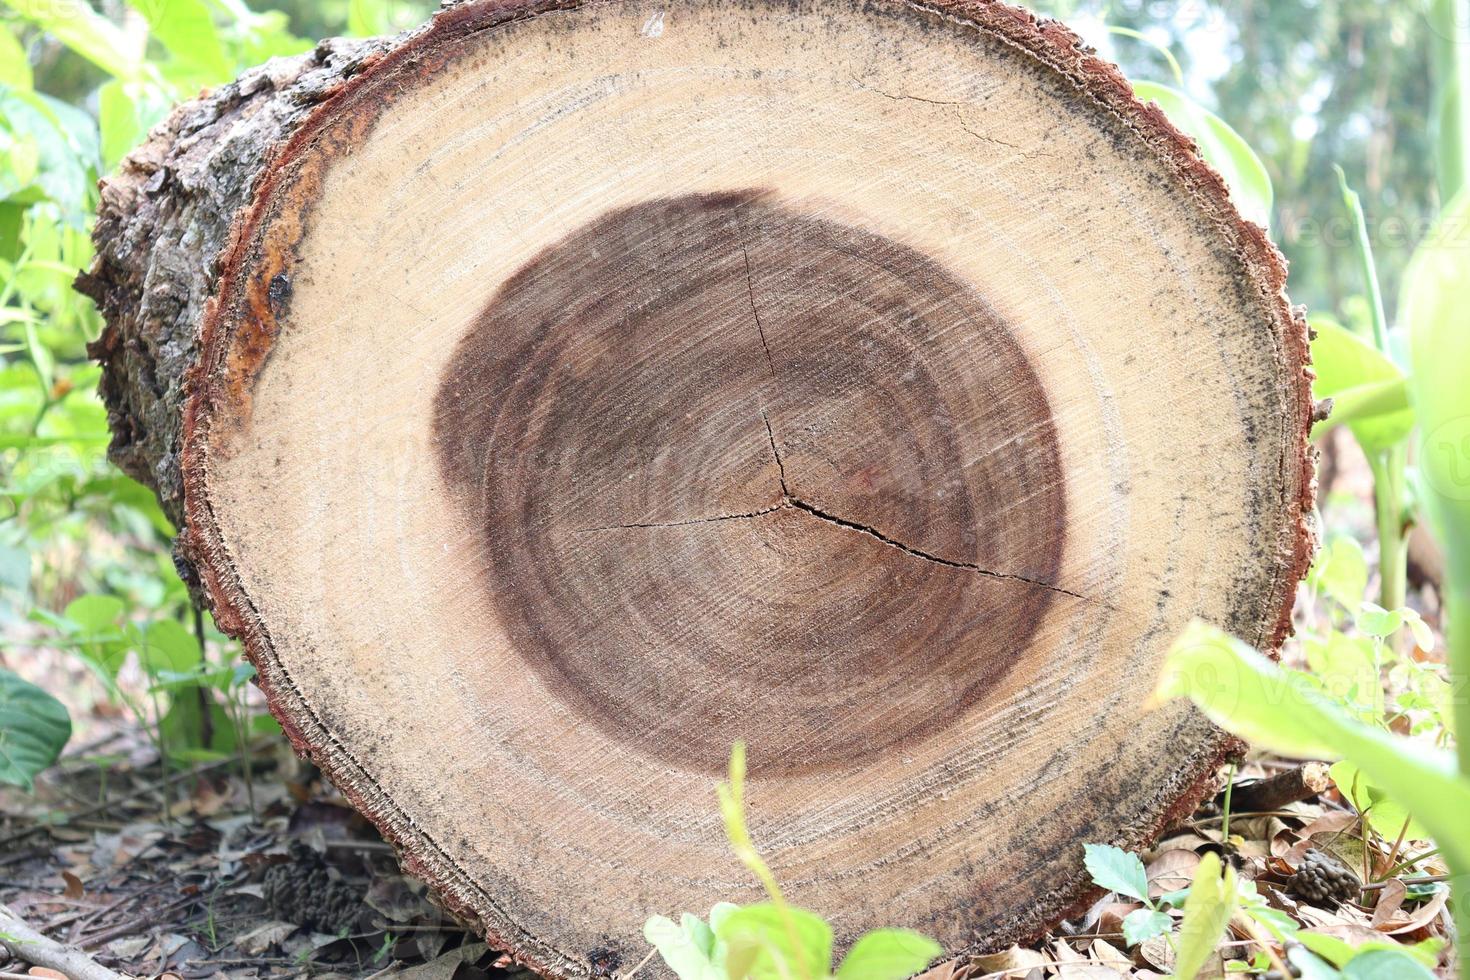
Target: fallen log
552,396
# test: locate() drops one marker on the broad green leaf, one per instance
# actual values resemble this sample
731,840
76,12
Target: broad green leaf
1310,963
766,942
1142,924
1385,964
166,645
1346,670
186,28
1337,952
367,18
679,952
60,170
1384,814
1374,620
1369,391
699,933
1207,911
1221,146
124,115
15,67
34,728
1116,870
888,954
1244,692
1341,571
1435,297
95,614
79,27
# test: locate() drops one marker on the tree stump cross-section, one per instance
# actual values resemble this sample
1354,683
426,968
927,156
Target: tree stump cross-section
552,396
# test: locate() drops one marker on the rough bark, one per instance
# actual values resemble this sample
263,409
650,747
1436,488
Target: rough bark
164,219
988,641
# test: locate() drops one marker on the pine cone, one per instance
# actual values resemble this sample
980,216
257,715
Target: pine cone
1323,880
303,891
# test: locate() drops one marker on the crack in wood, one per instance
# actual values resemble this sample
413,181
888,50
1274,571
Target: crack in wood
750,292
871,532
780,466
791,502
697,520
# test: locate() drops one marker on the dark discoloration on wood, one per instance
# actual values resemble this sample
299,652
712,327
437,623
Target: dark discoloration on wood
775,468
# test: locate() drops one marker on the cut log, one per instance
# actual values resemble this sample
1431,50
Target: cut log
557,394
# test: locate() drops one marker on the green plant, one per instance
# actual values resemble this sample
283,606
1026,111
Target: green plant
1288,713
34,727
1436,286
774,940
1369,390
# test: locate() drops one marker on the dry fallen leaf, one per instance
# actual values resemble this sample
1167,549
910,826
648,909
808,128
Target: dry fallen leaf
1157,952
1013,962
1171,870
1423,915
1390,901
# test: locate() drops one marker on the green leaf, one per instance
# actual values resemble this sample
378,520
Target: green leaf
1374,620
1341,571
15,66
1384,814
1331,949
764,942
888,954
1207,911
1385,964
1242,691
699,933
1142,924
86,32
34,728
167,646
1116,870
1436,290
679,951
1345,668
1311,964
1221,146
1369,390
95,615
186,28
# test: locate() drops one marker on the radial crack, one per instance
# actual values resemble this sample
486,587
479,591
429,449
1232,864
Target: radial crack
750,292
802,505
780,466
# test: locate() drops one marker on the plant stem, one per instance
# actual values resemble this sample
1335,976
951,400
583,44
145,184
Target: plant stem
1457,639
1225,810
1388,470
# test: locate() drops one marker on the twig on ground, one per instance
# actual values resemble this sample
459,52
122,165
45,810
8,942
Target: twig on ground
1288,786
25,943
